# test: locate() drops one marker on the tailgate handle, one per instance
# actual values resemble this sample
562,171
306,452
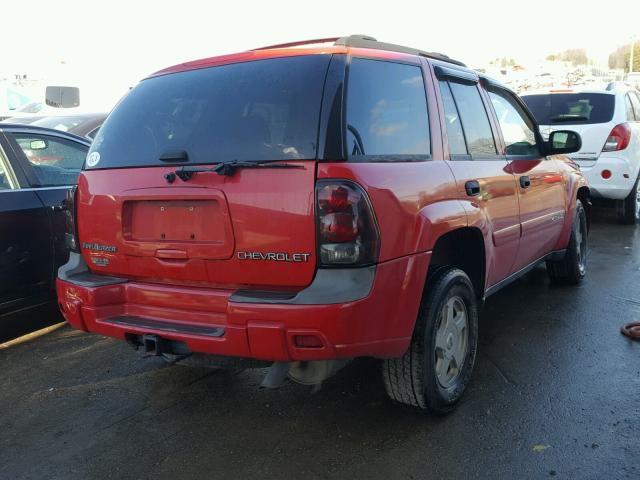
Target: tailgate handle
172,254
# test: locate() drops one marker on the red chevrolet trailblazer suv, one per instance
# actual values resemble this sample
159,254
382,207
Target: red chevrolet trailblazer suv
309,203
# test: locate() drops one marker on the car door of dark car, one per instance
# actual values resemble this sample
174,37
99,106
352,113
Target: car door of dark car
25,248
52,164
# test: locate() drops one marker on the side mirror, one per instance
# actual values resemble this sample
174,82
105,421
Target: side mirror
563,141
62,97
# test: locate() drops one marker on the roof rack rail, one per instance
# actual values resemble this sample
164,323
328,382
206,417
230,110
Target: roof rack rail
365,41
297,44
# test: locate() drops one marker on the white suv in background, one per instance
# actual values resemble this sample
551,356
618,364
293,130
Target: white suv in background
609,123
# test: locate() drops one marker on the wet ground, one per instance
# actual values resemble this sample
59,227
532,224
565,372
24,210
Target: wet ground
556,393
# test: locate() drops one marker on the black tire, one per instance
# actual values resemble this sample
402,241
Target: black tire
412,379
628,213
572,268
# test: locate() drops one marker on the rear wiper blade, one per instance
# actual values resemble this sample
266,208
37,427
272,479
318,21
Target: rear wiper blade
568,118
229,168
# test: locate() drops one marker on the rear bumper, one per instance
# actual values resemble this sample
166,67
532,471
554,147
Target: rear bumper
616,187
378,323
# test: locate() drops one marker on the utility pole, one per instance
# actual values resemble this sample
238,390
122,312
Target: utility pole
633,42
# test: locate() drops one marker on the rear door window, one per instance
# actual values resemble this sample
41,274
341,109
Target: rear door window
473,120
387,114
571,108
253,111
53,161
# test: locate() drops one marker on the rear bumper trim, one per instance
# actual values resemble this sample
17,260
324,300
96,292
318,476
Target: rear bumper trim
372,326
330,286
146,324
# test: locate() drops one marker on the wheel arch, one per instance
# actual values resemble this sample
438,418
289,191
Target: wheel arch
584,195
462,248
577,189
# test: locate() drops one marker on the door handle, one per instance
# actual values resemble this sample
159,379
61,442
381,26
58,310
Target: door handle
525,182
472,187
170,254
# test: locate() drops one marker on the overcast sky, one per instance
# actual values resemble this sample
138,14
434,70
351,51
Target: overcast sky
119,41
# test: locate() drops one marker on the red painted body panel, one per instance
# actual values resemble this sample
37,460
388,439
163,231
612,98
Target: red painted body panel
255,216
542,208
494,212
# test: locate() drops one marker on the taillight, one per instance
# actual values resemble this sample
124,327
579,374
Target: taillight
618,138
347,230
71,231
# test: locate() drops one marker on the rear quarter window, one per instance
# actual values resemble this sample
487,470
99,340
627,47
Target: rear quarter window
571,108
254,111
387,116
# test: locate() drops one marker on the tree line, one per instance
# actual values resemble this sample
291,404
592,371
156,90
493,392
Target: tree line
620,57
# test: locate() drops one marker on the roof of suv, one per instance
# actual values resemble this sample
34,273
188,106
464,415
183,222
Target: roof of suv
337,45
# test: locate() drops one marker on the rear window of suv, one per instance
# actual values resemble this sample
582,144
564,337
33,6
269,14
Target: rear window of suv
254,111
571,108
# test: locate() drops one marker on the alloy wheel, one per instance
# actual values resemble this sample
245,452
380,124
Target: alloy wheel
452,341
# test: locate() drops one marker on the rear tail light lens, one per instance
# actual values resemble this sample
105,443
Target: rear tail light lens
347,230
606,174
618,138
71,231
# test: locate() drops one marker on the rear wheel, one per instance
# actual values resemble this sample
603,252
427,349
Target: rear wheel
573,267
433,374
629,208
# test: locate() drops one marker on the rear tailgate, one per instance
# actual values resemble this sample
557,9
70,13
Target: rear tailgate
246,227
253,228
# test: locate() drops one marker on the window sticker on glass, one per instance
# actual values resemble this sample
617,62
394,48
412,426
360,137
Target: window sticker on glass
93,159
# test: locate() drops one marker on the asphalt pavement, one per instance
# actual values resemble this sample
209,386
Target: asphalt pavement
555,394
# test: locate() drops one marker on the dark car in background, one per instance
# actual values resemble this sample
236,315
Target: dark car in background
37,167
80,124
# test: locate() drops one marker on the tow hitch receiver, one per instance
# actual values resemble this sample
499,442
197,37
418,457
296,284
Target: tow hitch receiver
155,345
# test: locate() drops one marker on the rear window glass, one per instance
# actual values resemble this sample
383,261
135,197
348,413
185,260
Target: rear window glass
571,108
254,111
